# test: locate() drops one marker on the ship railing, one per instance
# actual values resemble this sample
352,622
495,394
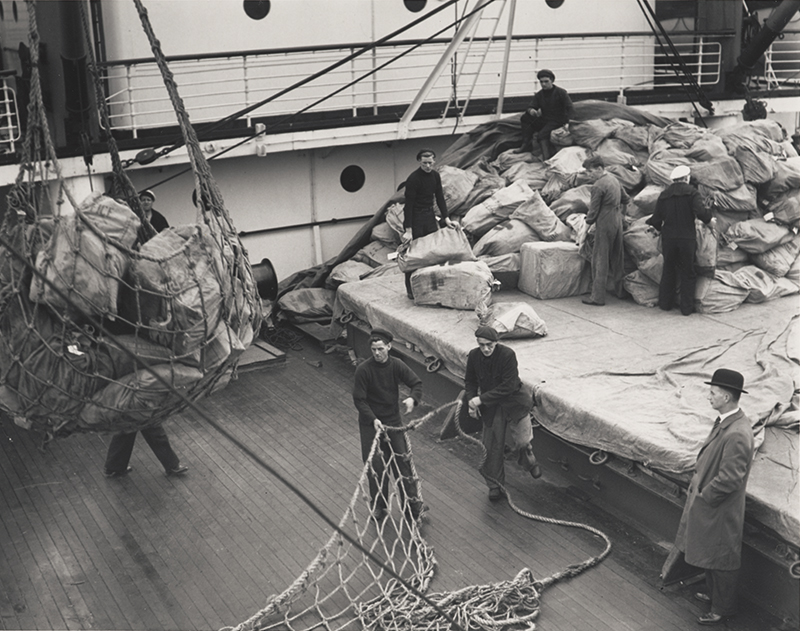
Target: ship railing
782,63
213,86
9,114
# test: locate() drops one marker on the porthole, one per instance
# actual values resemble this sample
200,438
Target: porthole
415,6
554,4
257,9
352,178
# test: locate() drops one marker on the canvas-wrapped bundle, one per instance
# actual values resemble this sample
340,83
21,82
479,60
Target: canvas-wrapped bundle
86,257
553,270
505,238
181,281
461,285
483,217
443,246
513,320
642,289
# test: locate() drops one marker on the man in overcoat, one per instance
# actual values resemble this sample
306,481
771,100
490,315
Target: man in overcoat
493,393
710,531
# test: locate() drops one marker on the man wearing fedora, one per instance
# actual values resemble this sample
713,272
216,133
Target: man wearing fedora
710,531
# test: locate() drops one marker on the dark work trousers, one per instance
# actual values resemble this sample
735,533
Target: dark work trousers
541,128
423,223
121,447
607,257
721,586
678,267
400,467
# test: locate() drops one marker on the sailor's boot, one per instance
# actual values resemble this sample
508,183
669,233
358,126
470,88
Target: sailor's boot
527,460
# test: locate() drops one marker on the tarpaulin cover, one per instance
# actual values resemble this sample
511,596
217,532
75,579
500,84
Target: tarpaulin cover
639,392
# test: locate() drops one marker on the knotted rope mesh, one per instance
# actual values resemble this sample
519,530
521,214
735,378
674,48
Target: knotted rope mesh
375,569
104,325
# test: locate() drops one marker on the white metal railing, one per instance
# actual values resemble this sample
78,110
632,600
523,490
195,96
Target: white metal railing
782,63
213,88
9,118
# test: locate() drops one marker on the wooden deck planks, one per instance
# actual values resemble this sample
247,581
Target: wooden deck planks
204,551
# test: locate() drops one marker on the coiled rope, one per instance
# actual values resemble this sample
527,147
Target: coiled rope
514,603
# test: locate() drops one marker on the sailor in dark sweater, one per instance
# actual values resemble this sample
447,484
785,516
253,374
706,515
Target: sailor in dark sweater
550,109
376,397
422,187
494,394
676,209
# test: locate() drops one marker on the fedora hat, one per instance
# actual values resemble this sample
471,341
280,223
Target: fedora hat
728,379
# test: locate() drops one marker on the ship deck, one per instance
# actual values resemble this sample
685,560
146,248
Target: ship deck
81,551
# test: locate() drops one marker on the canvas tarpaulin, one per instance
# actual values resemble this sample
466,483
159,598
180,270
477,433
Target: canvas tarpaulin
649,402
658,414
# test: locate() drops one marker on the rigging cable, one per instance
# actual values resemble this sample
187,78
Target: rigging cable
680,77
290,117
248,451
150,155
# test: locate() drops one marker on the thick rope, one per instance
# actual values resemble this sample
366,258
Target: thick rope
501,605
402,605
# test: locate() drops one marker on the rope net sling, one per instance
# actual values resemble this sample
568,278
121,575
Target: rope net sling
373,573
104,324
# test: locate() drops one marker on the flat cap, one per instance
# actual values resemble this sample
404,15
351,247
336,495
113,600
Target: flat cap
381,334
487,333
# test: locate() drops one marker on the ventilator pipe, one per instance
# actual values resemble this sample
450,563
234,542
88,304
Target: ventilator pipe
773,26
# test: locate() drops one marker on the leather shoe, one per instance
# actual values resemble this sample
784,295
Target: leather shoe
589,301
496,494
702,597
117,474
179,470
711,618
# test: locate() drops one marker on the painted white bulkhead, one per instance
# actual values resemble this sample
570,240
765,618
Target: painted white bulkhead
294,188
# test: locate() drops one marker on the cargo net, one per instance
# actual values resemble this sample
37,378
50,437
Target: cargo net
375,569
104,324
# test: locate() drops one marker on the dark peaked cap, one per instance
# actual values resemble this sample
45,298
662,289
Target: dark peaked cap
487,333
382,335
728,379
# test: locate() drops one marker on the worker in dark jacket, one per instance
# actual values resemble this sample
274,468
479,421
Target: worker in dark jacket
712,524
608,200
419,217
493,393
156,219
676,209
550,109
376,397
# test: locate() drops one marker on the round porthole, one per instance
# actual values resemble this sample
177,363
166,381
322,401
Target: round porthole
554,4
352,178
257,9
415,6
